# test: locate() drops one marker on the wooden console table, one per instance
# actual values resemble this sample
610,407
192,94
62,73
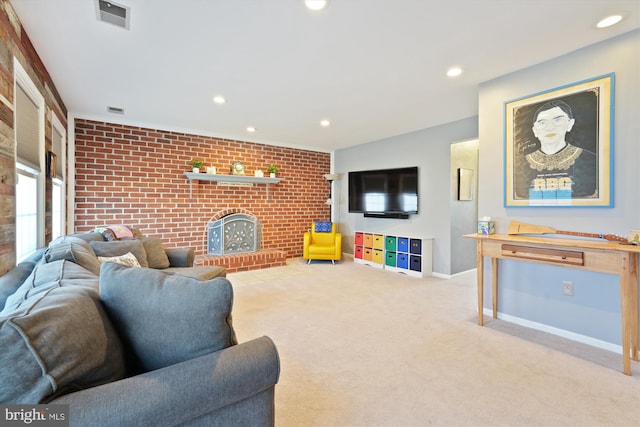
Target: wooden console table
591,255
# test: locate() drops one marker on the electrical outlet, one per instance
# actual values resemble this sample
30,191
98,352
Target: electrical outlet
567,288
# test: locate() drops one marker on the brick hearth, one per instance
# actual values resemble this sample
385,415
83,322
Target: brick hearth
247,261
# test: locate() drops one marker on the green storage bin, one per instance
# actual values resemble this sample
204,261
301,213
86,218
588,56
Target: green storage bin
390,243
390,259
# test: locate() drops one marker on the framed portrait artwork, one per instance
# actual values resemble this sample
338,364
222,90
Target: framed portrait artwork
559,146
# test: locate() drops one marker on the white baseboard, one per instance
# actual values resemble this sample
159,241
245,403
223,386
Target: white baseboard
558,332
453,276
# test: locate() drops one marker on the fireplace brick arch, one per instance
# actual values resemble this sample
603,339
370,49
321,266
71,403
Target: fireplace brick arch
230,211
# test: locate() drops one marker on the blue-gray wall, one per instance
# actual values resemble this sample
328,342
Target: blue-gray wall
529,293
430,150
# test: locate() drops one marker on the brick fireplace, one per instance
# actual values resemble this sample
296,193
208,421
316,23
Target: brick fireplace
135,176
234,234
234,240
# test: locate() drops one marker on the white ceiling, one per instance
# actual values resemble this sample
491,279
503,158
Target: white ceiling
374,68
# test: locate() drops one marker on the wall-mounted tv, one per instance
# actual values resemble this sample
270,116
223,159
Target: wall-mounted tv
384,193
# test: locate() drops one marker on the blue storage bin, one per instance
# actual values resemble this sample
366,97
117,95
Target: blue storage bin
402,260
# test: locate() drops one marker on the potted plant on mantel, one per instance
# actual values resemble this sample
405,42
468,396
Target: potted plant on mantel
196,164
273,170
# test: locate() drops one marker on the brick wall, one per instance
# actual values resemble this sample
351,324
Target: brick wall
135,176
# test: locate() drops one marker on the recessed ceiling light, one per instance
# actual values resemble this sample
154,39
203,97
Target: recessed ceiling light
609,21
315,4
454,71
219,99
251,129
325,123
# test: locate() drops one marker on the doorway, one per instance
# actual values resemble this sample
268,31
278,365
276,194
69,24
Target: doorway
464,204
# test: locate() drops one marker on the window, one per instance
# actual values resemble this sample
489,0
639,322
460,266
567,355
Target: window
26,211
29,137
57,209
58,194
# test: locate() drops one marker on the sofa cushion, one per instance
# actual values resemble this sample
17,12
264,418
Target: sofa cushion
90,236
200,272
54,274
181,257
166,318
13,279
121,247
73,249
57,342
126,259
156,255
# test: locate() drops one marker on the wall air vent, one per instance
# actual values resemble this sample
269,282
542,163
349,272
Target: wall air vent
113,13
115,110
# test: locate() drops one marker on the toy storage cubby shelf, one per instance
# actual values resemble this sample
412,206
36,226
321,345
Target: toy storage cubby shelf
408,255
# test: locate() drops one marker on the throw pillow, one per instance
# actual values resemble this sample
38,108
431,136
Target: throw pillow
59,342
323,227
126,259
163,318
156,255
120,231
121,247
75,250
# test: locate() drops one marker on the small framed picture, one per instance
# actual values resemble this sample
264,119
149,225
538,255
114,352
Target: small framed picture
465,184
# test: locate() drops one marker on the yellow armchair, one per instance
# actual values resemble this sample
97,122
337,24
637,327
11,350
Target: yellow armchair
322,245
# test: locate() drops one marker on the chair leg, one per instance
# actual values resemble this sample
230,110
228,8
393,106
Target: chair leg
309,261
333,262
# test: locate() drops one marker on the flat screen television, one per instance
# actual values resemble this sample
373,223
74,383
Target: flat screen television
384,193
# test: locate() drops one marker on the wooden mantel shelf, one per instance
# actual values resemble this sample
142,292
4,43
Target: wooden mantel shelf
231,178
239,180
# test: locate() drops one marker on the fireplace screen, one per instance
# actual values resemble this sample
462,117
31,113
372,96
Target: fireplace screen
234,234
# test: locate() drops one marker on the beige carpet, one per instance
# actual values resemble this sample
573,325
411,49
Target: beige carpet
365,347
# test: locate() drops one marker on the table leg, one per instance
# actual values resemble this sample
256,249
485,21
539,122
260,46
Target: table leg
626,294
494,286
633,277
480,284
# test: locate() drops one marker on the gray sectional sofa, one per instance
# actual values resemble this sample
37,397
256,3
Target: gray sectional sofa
150,252
125,345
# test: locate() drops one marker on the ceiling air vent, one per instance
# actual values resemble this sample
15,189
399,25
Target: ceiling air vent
115,110
113,13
